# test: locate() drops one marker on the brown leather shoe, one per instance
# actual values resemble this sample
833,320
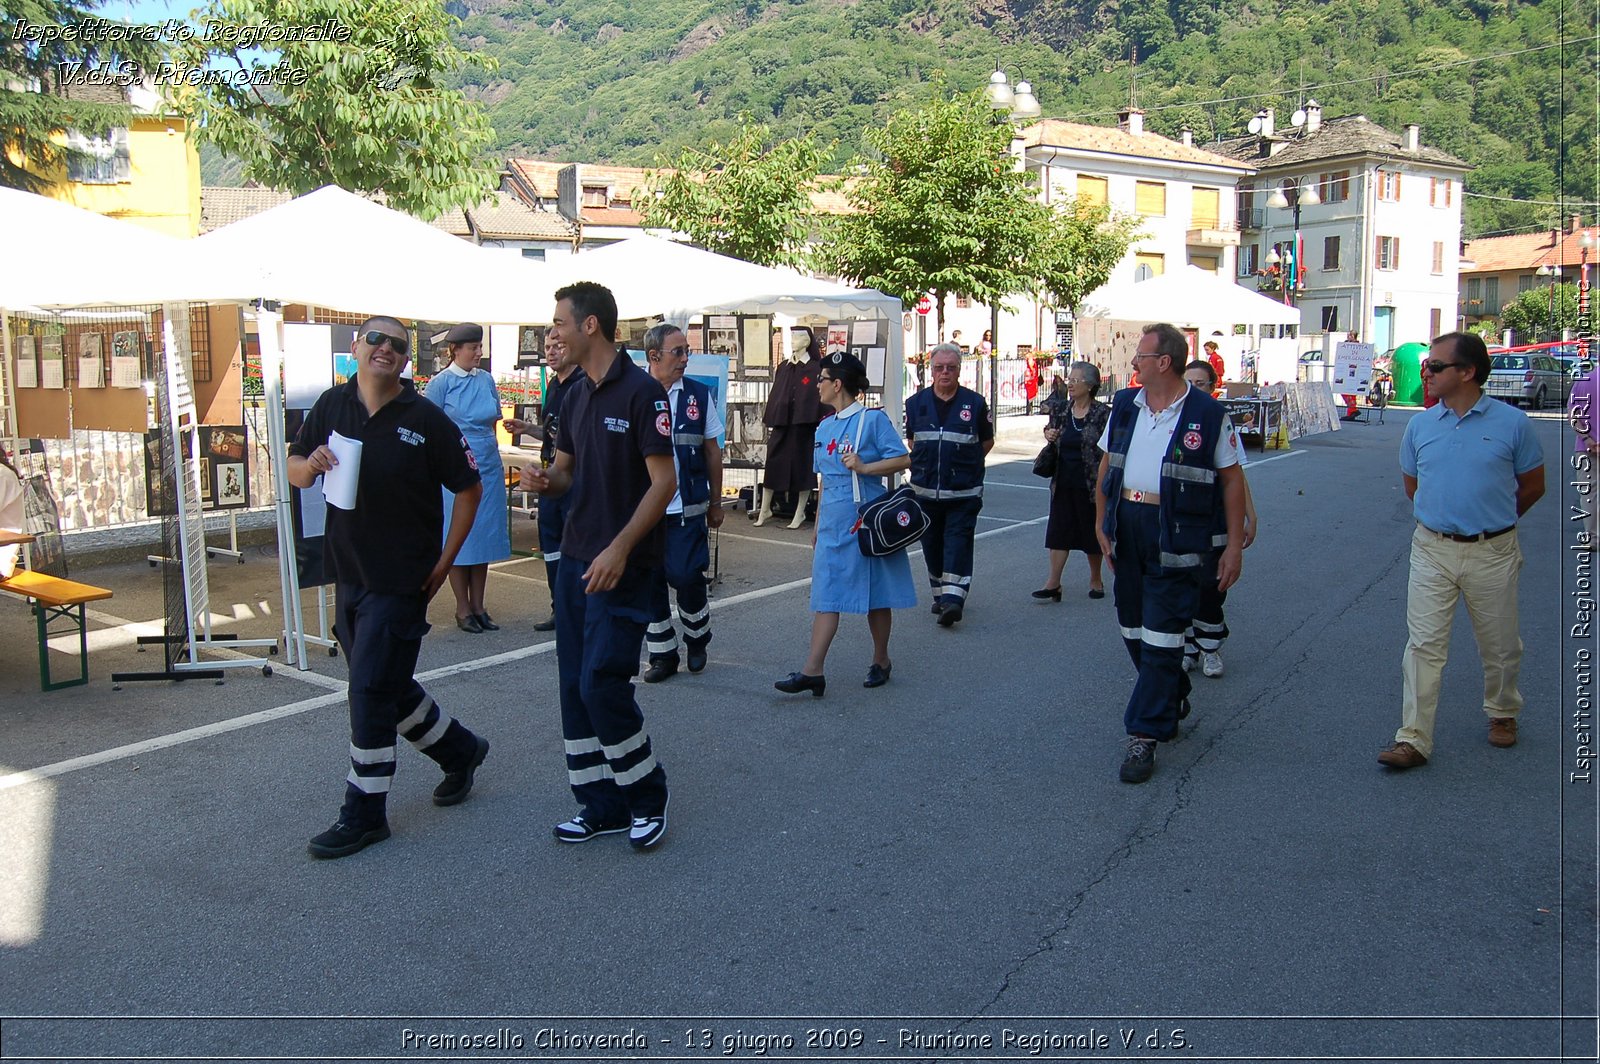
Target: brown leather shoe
1402,755
1502,731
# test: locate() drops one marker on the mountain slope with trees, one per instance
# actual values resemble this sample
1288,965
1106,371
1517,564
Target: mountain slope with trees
636,81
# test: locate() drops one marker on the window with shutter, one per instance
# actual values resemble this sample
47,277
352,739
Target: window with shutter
1150,198
1438,257
1091,190
1156,262
101,160
1205,208
1330,253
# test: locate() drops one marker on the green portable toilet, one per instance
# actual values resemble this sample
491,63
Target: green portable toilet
1407,373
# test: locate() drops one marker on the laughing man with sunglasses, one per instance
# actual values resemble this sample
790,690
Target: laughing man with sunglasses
1472,467
387,565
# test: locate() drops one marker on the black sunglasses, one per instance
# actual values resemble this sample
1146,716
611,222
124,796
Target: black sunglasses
1440,367
399,344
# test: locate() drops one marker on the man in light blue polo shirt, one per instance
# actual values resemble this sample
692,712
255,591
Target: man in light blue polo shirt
1472,468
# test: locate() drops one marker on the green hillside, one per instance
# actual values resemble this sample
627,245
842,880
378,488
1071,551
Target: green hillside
623,81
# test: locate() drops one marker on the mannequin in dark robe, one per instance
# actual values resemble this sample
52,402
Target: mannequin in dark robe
794,409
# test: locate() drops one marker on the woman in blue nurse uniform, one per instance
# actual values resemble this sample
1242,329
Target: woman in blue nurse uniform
467,393
855,445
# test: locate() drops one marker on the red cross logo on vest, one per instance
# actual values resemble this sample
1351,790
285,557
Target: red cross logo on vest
1191,440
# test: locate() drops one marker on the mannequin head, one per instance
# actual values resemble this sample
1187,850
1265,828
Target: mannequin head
803,346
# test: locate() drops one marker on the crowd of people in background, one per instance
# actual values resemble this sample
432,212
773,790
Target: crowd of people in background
1149,487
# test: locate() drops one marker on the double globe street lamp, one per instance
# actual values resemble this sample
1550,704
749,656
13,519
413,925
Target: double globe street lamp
1292,194
1019,105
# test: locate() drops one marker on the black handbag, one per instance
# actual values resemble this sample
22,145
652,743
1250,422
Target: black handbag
891,522
1044,463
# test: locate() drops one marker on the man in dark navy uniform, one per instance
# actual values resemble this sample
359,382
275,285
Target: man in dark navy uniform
614,453
950,434
1170,493
387,565
552,510
697,507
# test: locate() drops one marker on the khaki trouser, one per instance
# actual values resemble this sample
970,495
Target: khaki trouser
1442,572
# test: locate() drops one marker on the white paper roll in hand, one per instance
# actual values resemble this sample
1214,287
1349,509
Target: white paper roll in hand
339,483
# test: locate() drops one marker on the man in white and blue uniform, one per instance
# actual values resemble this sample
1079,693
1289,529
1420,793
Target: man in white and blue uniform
695,508
950,434
1472,467
1169,493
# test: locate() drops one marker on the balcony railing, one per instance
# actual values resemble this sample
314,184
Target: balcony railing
1253,218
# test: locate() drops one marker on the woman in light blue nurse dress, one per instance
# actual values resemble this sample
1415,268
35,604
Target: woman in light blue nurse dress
843,580
468,395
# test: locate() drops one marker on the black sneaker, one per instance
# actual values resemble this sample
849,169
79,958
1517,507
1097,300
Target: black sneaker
697,659
457,785
344,839
581,829
949,616
546,625
1140,761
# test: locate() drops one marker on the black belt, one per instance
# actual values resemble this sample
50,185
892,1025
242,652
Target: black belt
1474,538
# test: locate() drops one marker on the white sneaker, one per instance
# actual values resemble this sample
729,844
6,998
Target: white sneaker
1188,663
1211,664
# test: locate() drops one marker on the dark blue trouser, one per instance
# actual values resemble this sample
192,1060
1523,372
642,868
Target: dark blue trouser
552,516
1154,607
610,765
1210,626
381,636
947,547
683,568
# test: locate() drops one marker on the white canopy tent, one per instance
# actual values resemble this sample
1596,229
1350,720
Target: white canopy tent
63,256
652,277
1189,296
331,248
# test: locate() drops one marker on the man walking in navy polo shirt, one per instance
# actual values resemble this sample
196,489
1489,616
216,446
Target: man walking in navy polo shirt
387,565
1472,467
614,454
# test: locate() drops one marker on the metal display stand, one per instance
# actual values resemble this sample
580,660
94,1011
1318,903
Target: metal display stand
188,596
269,332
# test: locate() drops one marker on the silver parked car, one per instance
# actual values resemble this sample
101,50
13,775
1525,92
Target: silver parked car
1532,378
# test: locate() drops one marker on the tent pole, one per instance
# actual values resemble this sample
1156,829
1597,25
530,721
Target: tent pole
269,338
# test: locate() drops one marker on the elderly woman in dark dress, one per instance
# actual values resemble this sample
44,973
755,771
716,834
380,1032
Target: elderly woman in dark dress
1074,427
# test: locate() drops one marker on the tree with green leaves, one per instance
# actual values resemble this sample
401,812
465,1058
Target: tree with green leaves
1543,313
365,110
940,208
1082,245
748,198
42,67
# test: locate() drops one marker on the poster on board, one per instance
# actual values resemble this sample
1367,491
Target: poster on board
52,363
1352,368
27,363
91,361
225,466
126,346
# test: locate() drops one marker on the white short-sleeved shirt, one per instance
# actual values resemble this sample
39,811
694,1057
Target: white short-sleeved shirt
1152,438
714,429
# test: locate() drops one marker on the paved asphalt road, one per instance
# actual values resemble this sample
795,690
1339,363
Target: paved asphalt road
891,874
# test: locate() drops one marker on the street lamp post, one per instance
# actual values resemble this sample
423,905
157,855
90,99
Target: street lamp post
1293,194
1020,105
1554,273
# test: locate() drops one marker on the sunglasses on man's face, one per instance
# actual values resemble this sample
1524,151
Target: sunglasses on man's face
398,344
1440,367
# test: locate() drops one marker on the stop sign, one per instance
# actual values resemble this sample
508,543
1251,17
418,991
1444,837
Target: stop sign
924,305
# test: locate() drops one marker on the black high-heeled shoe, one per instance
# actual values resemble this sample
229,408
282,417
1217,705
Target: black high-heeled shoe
1051,594
796,682
486,623
878,675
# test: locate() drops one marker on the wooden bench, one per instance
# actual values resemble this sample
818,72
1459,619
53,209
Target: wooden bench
55,599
